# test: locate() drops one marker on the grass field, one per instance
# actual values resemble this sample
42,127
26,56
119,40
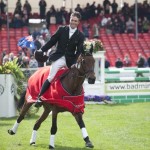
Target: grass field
110,127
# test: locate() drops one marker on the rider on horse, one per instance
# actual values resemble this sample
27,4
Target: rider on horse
69,45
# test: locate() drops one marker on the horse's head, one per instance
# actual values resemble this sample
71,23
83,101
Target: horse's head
86,64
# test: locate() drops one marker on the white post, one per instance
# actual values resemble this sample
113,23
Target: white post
100,55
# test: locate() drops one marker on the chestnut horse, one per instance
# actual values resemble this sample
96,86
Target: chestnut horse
72,83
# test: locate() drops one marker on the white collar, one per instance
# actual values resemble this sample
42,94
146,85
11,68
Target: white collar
72,30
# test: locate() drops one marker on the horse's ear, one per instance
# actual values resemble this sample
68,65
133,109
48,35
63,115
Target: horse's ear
91,49
80,57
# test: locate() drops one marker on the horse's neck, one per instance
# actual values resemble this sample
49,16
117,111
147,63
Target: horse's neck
73,82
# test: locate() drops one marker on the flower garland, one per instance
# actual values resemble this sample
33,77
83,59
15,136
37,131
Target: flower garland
95,45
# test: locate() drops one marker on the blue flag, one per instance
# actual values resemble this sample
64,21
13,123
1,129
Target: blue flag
26,42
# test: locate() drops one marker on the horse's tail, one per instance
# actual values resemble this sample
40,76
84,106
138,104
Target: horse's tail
21,100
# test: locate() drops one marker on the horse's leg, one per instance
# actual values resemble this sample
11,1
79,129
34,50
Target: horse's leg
81,124
47,109
23,112
53,129
21,101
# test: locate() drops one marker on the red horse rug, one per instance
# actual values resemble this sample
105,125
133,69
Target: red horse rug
56,94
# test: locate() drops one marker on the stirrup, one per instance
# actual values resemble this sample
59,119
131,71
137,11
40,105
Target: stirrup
38,103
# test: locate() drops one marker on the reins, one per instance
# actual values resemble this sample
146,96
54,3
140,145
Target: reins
80,63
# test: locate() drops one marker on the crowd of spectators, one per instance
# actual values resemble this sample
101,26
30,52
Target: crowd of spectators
25,55
20,16
126,62
23,59
110,18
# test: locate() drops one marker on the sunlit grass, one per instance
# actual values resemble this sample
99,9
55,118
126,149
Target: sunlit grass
110,127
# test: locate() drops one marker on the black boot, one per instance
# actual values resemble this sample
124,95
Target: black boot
45,86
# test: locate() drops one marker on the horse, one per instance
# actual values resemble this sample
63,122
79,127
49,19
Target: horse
71,81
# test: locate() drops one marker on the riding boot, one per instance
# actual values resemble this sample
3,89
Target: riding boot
45,86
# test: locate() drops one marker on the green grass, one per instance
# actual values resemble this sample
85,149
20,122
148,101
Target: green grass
110,127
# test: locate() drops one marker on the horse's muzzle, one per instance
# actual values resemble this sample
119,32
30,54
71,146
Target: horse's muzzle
91,80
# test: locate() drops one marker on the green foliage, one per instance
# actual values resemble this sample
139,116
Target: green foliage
12,67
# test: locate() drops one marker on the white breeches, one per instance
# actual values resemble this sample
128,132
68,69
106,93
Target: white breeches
55,66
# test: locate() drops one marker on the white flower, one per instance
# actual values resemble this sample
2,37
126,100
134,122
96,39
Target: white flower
96,45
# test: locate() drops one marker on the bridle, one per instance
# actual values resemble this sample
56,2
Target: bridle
80,66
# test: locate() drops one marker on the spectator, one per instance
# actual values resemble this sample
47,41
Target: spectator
126,11
118,63
106,5
18,8
36,33
44,31
126,61
104,21
33,62
130,26
47,37
41,40
2,7
122,24
27,6
0,22
95,31
140,61
114,7
109,26
51,16
25,15
99,9
87,11
78,8
107,63
140,64
5,59
37,43
19,60
25,62
59,17
3,53
85,29
11,56
145,25
26,12
42,5
17,21
116,26
148,61
92,10
140,25
53,19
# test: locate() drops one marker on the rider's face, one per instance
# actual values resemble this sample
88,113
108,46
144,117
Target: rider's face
74,21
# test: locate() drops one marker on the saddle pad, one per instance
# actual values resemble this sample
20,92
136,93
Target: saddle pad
55,94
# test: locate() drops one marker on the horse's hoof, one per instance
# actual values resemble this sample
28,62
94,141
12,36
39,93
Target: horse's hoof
32,143
11,132
51,147
89,144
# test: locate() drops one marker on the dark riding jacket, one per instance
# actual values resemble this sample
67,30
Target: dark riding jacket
70,48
